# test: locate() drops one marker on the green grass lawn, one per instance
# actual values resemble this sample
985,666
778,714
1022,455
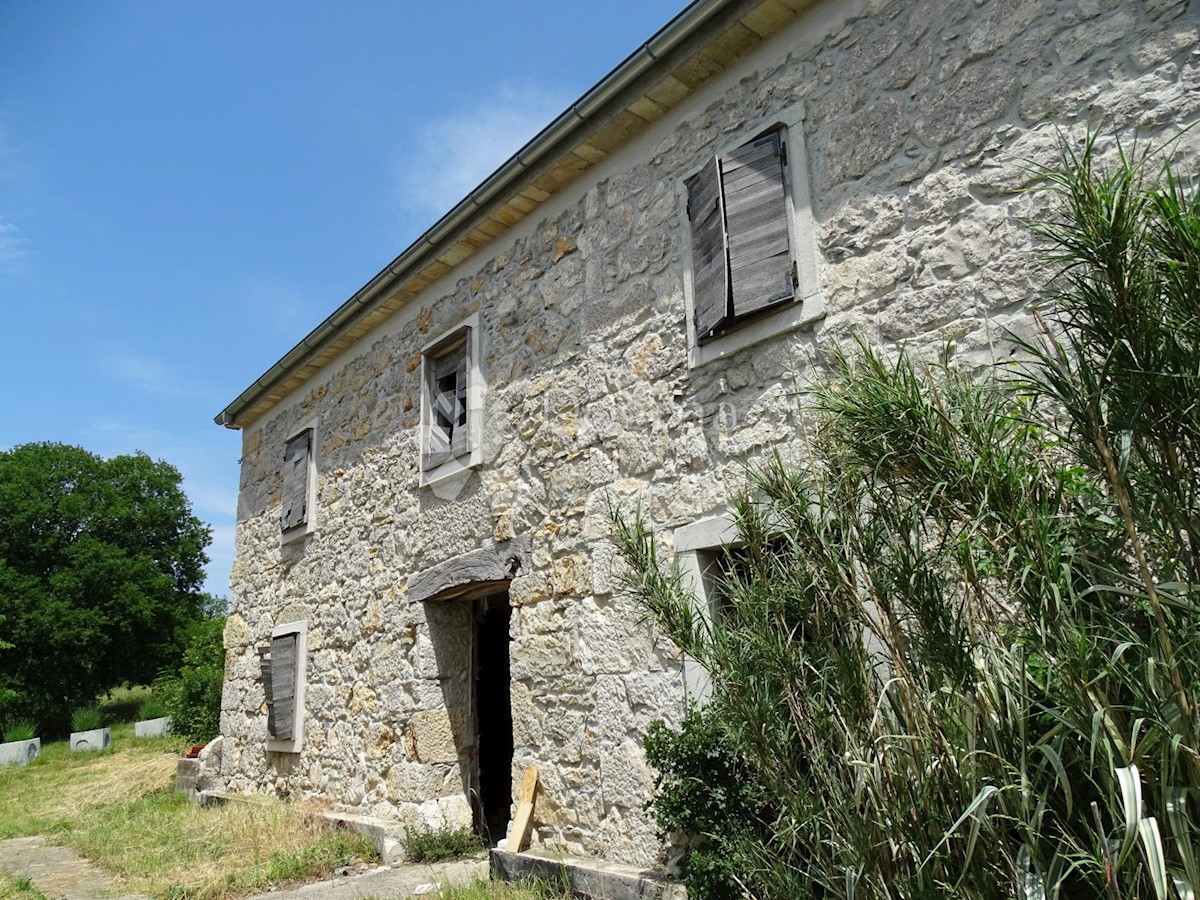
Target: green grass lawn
116,806
12,888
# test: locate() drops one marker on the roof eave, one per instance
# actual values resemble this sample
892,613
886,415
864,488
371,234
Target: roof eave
557,137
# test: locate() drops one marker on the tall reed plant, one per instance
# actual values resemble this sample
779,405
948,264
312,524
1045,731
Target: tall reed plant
960,656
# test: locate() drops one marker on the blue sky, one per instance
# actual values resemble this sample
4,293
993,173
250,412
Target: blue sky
186,189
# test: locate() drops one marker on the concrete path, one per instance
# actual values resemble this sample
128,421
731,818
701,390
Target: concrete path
388,882
62,874
58,872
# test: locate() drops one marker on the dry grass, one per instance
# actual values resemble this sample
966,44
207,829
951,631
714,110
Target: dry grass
118,809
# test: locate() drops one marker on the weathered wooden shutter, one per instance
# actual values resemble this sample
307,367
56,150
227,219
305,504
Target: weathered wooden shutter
283,685
295,480
710,281
459,443
756,219
264,666
443,393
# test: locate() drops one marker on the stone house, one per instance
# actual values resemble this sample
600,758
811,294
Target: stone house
424,587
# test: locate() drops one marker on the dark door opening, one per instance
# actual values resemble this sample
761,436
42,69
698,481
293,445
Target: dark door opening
493,716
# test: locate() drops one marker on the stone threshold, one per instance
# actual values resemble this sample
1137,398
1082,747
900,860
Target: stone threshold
588,879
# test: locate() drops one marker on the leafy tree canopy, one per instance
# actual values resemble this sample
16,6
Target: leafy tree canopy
101,563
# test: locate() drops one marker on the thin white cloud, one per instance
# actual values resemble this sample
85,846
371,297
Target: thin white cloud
150,375
276,307
14,247
452,154
139,372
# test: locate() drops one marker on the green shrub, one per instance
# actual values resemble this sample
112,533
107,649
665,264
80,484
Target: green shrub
192,696
20,731
87,718
445,843
152,708
706,790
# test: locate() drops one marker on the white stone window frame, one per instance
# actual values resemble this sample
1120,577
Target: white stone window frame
697,549
309,525
296,741
808,306
476,388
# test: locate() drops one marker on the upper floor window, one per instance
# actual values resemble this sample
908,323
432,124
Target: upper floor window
451,403
753,248
447,372
741,246
297,461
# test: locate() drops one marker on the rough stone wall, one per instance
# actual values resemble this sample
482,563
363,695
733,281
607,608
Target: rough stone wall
919,117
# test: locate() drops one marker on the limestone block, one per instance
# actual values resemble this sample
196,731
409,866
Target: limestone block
632,823
455,811
1076,43
236,634
606,230
362,699
860,222
857,143
938,197
410,782
624,774
542,654
435,736
613,638
981,93
380,742
654,695
1001,23
430,816
612,718
867,277
571,576
1155,98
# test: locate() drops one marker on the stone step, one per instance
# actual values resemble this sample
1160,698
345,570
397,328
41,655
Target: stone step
588,879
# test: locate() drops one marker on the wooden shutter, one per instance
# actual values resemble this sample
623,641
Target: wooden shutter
459,443
710,281
295,480
756,219
283,685
264,665
442,401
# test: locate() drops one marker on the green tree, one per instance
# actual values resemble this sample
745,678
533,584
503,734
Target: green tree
193,694
101,563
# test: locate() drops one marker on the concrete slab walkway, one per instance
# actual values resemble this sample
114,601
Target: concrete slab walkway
59,872
388,882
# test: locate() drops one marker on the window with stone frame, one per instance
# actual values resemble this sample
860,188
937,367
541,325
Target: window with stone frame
297,460
723,567
282,665
739,210
447,373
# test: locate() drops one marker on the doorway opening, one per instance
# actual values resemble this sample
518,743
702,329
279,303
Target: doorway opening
493,717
